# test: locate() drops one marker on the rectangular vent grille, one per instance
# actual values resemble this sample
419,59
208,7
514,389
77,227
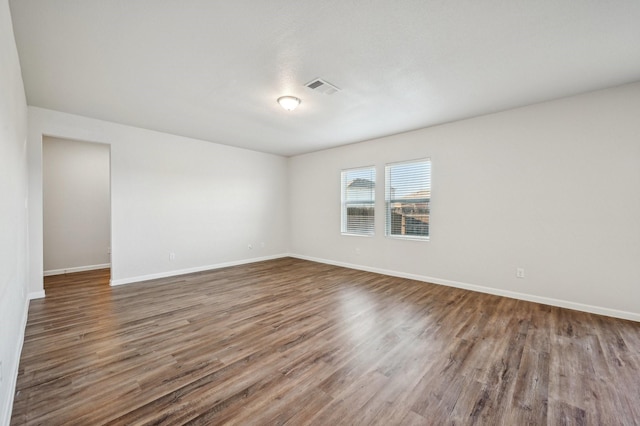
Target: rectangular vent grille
322,86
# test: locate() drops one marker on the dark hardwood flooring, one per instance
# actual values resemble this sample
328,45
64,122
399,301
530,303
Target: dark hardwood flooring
295,342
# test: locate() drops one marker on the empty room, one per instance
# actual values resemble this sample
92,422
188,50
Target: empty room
315,213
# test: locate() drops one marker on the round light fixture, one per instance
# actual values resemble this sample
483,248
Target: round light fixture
289,102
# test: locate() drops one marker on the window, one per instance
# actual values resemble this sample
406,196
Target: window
358,200
407,199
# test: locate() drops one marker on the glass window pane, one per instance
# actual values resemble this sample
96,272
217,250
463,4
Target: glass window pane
358,188
408,199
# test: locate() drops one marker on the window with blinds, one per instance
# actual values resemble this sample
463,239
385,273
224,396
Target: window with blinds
358,200
408,199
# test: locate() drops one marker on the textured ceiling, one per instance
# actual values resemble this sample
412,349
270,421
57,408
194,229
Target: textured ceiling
212,69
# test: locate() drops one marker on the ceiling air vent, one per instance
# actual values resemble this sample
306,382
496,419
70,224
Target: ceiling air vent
322,86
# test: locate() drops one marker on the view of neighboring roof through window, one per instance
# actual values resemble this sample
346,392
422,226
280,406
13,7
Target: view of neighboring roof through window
358,187
408,199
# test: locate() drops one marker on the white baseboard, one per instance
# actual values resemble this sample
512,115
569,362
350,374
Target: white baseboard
8,408
36,295
482,289
122,281
76,269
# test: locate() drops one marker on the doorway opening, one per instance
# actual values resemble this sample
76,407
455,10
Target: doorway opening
76,190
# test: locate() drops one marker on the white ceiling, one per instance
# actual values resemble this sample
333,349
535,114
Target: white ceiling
212,69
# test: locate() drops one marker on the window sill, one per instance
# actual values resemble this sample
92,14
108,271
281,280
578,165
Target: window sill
408,238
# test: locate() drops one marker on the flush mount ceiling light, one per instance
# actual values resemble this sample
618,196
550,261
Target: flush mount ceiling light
289,102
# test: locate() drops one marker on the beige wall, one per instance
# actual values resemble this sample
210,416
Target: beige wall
13,212
552,188
203,201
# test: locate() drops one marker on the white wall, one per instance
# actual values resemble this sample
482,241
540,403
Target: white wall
202,201
13,213
553,188
76,204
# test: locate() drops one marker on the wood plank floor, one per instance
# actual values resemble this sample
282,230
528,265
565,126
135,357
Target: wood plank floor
295,342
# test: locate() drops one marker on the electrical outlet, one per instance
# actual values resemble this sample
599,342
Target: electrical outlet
172,256
519,272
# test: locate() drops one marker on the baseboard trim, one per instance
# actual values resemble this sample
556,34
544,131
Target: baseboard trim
36,295
76,269
8,408
140,278
632,316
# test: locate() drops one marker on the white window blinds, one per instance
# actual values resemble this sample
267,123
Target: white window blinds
408,199
358,200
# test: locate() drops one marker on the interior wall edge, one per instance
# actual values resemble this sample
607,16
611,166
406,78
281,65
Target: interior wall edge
13,380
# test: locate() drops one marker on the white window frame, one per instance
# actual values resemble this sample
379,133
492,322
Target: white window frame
345,202
390,199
